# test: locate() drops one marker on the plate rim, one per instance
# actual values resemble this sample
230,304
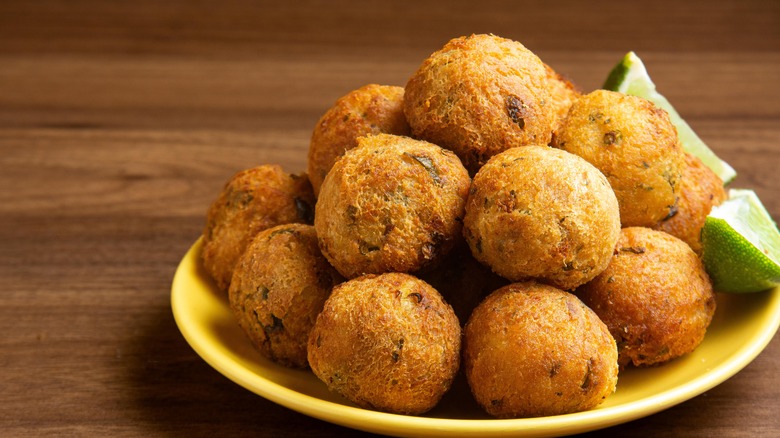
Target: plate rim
404,425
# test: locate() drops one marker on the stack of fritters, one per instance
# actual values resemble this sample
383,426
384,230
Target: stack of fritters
493,179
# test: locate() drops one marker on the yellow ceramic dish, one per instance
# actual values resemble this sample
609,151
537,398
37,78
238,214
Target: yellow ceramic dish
743,326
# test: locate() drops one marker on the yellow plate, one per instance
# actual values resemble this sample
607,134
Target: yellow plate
742,327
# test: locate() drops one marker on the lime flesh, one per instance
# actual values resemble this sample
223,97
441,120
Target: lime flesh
741,245
629,76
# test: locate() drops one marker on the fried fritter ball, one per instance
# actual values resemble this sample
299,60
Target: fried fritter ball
371,109
700,190
563,94
386,342
252,200
655,297
533,350
536,212
279,287
634,143
392,204
480,95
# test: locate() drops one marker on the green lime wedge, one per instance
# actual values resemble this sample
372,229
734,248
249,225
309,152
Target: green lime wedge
741,245
629,76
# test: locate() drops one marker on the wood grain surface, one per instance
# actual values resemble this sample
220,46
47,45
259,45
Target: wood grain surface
121,121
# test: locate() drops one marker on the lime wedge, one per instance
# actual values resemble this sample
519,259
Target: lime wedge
629,76
741,245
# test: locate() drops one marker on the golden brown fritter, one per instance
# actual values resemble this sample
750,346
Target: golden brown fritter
700,190
634,144
563,93
655,297
480,95
371,109
252,200
386,342
532,350
393,204
537,212
279,287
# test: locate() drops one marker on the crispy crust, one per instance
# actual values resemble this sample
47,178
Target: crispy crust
393,204
655,297
533,350
541,213
387,342
252,200
371,109
278,289
634,144
480,95
563,93
700,190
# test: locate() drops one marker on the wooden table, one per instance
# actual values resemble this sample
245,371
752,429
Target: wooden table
120,122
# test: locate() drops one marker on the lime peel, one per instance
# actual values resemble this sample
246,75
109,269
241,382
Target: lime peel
741,245
630,76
